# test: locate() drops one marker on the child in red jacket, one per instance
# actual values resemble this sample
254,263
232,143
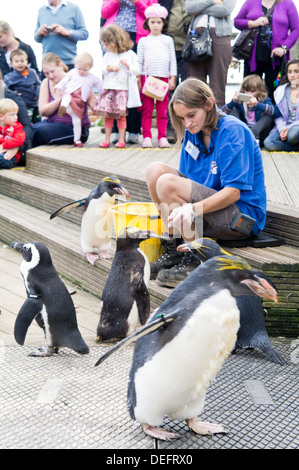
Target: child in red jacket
12,135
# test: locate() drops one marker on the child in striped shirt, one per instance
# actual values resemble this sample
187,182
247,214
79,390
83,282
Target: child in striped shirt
156,56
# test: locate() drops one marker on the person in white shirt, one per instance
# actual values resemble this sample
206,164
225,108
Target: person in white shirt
77,86
156,56
119,63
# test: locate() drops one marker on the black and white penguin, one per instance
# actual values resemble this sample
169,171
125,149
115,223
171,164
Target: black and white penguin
97,218
196,330
252,332
126,300
48,301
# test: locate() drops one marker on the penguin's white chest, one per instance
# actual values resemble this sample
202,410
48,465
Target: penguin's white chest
96,225
133,318
174,381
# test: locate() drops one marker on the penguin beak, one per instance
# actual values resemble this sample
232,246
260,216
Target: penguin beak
145,234
17,246
261,287
121,190
184,247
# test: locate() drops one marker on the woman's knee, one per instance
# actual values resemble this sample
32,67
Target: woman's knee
154,171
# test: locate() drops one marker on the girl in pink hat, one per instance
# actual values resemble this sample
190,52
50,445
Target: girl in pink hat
156,57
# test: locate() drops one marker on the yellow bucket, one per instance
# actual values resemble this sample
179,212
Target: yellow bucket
144,216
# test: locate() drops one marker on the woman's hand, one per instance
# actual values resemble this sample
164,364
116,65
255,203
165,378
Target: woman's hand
261,21
182,216
172,82
278,51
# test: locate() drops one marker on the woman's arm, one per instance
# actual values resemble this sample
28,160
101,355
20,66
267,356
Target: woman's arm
45,107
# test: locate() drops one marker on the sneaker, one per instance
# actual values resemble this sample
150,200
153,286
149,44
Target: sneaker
173,276
78,143
171,136
170,256
147,143
163,143
133,138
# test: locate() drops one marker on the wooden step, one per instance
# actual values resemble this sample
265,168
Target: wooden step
23,223
44,193
283,221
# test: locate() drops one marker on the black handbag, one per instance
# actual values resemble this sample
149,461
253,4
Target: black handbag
243,46
198,47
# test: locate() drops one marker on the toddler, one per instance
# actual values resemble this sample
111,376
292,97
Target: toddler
119,63
156,56
77,85
285,135
24,81
259,112
12,134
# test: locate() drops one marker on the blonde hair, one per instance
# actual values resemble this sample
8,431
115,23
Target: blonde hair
118,37
192,93
85,58
51,58
5,28
255,83
7,105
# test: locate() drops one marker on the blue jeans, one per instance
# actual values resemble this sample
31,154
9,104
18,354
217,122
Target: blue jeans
47,133
274,143
7,164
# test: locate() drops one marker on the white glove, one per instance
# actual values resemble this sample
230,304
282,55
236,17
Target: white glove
182,216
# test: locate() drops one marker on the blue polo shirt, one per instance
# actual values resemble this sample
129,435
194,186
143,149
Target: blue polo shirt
233,159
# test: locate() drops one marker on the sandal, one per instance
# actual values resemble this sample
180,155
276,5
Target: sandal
120,145
104,145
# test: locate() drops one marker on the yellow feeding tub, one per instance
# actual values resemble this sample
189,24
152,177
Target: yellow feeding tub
144,216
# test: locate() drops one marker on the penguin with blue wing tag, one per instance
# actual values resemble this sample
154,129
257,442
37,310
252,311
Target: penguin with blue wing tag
252,333
48,301
174,362
97,218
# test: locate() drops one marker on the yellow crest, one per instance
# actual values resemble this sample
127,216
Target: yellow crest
233,262
110,179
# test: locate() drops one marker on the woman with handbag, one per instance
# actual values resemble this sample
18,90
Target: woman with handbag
218,13
277,25
157,60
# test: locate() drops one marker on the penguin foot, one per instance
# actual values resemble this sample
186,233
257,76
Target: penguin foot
159,433
93,257
104,255
44,352
203,427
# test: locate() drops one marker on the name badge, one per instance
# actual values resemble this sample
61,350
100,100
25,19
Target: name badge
192,150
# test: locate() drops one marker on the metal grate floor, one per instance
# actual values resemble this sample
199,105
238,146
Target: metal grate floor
64,402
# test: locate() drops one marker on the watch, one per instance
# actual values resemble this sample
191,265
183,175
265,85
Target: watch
285,49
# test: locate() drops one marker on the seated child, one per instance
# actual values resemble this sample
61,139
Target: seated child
285,135
12,135
24,81
259,112
77,85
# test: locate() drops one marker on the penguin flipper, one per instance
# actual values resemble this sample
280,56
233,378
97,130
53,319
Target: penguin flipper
29,310
162,320
68,207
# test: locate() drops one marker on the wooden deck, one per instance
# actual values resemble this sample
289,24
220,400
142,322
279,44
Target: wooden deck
55,175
